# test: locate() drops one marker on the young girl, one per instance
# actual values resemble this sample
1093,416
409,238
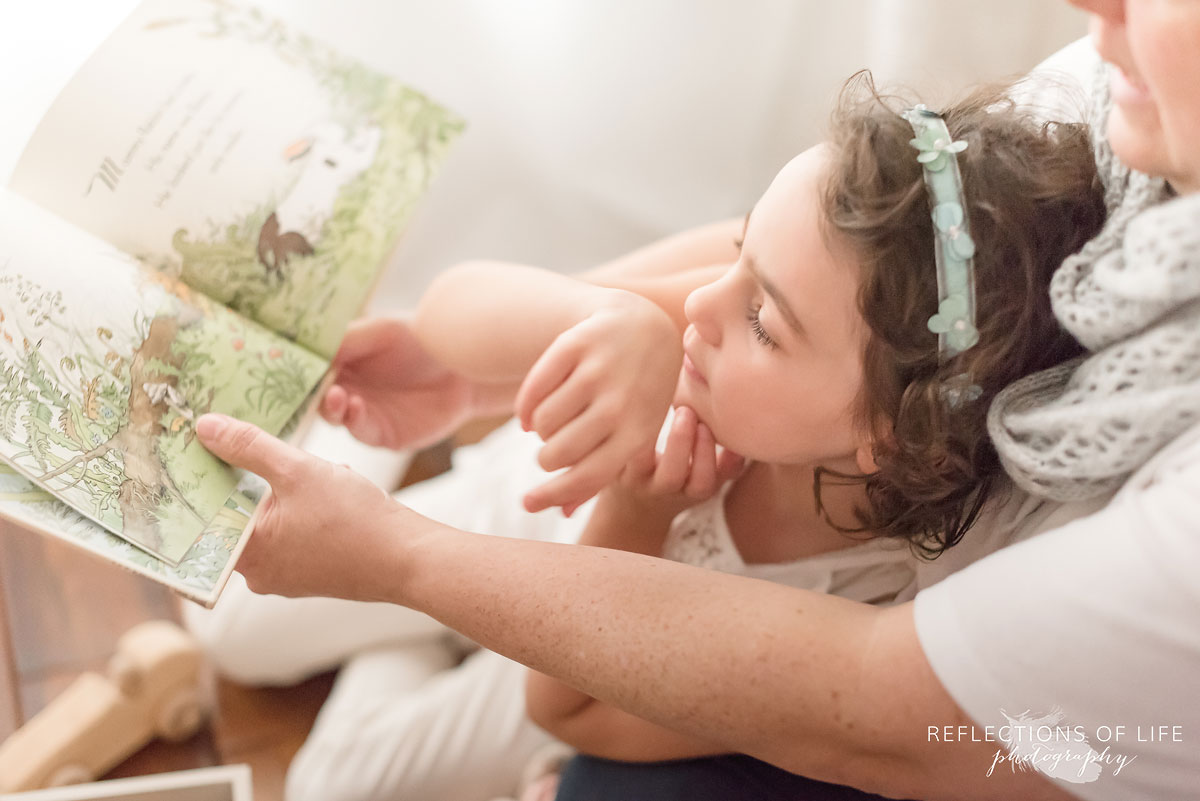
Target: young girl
816,357
812,358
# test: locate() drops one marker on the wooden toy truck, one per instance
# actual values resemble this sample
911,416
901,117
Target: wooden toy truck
153,688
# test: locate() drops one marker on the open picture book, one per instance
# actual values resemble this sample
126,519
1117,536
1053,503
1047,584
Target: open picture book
196,220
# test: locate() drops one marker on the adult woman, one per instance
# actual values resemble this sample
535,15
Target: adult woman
857,695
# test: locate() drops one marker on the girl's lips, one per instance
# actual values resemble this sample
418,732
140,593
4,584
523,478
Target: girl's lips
1125,90
689,367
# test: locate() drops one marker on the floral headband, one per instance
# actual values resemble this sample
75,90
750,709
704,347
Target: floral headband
954,249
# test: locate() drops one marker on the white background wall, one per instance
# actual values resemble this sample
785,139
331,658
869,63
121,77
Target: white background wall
594,125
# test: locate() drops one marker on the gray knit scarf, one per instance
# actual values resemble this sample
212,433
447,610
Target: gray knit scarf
1131,296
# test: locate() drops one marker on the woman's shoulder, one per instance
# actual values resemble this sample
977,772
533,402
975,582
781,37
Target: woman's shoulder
1013,515
1177,461
1059,88
1009,516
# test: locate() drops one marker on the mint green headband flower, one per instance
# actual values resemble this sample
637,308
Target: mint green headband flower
935,146
953,320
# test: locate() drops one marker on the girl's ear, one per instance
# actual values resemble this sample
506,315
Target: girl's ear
865,458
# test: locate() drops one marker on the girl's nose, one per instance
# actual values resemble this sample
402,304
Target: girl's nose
1112,11
701,309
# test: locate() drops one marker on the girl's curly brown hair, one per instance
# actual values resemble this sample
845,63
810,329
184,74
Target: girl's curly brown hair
1033,198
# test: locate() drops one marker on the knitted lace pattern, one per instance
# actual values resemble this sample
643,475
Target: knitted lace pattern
1131,296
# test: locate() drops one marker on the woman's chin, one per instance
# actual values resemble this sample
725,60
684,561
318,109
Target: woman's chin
1137,140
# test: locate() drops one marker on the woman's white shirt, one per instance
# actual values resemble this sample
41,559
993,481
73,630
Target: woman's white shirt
1084,629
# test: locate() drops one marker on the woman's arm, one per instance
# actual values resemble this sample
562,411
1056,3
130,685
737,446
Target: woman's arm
828,688
635,514
819,685
575,717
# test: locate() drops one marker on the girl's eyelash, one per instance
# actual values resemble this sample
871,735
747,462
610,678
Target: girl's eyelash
756,326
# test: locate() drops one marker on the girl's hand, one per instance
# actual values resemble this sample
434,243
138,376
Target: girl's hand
635,511
690,469
318,523
389,392
597,396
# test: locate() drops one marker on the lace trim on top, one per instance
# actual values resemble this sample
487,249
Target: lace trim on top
873,571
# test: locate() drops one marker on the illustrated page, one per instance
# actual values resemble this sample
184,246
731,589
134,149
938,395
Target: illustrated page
198,575
257,166
106,368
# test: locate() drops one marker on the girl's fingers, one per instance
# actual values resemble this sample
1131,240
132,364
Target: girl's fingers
550,370
359,422
333,405
355,409
702,481
565,403
641,466
671,473
590,475
574,441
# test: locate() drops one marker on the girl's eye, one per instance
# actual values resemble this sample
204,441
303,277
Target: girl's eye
756,326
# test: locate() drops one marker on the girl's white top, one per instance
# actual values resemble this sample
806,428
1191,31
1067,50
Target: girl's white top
873,571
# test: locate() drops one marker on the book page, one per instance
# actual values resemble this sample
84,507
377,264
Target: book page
199,576
259,167
107,366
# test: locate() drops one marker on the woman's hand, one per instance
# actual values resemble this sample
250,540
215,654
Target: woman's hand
389,392
319,523
597,396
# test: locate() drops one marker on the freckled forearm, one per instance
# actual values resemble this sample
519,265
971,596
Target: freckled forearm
825,687
618,523
643,634
551,703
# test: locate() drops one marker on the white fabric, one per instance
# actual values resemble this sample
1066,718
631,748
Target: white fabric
404,723
1100,619
1010,516
874,571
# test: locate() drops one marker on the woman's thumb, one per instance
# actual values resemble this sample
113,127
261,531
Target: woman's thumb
247,446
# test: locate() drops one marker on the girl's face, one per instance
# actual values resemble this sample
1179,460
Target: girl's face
773,360
1155,47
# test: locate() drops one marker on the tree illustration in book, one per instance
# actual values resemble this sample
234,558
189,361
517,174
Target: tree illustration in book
100,398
